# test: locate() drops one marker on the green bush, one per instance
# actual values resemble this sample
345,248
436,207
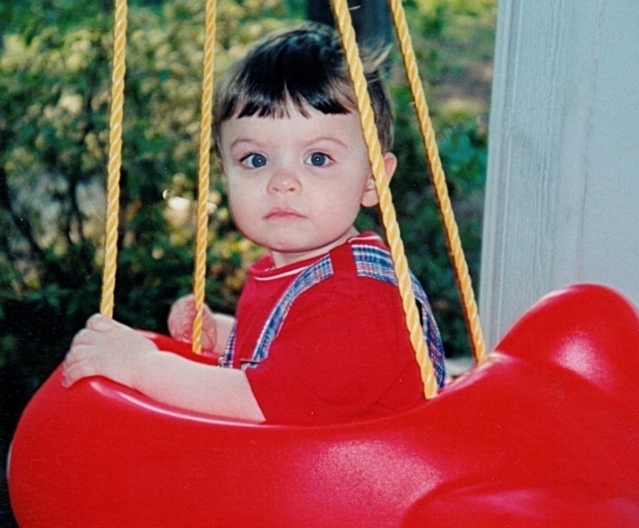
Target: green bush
54,105
54,94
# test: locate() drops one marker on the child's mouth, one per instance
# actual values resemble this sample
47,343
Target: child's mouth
282,213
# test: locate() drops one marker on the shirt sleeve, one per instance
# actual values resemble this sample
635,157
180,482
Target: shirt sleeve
342,352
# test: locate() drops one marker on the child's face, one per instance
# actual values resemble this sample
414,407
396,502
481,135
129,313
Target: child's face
296,183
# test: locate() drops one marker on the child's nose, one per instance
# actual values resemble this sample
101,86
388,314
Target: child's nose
284,181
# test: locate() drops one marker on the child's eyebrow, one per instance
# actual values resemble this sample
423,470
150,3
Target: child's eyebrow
327,139
241,141
252,142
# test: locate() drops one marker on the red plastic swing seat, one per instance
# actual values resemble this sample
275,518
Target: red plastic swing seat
544,433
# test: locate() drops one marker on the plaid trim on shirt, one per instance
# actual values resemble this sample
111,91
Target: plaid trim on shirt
377,263
370,261
314,274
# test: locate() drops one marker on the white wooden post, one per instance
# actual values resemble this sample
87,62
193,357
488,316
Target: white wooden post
562,193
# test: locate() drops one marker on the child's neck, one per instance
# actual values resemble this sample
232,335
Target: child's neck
281,259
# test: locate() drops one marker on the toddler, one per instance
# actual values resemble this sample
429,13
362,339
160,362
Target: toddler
319,334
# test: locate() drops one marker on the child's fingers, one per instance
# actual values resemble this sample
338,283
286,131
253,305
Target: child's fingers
78,371
81,338
184,303
77,365
105,348
181,317
75,354
100,323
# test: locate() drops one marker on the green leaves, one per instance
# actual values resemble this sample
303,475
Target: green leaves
54,115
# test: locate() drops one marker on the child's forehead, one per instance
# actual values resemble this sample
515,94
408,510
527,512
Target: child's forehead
309,125
291,112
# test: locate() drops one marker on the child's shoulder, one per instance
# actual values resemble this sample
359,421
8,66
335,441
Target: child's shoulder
362,242
360,266
364,255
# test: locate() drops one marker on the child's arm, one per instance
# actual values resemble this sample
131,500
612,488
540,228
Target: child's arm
111,349
216,327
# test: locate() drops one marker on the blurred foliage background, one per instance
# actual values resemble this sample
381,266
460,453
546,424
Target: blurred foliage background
54,113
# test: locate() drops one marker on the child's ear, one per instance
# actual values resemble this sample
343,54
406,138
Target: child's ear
370,197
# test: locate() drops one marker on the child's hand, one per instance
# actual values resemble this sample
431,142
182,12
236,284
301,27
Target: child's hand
181,319
105,348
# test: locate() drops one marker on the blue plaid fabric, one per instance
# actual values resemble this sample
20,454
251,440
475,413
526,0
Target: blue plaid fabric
370,261
311,276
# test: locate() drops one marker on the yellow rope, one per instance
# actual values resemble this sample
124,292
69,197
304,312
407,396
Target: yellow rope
115,159
439,182
203,175
344,23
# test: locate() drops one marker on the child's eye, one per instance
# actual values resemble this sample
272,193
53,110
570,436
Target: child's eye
254,161
318,159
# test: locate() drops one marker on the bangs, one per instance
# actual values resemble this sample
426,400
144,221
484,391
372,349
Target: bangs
300,70
275,97
290,74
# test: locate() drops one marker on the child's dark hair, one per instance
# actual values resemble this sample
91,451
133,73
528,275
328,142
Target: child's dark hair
298,68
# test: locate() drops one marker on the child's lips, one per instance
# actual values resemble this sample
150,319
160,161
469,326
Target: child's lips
283,213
